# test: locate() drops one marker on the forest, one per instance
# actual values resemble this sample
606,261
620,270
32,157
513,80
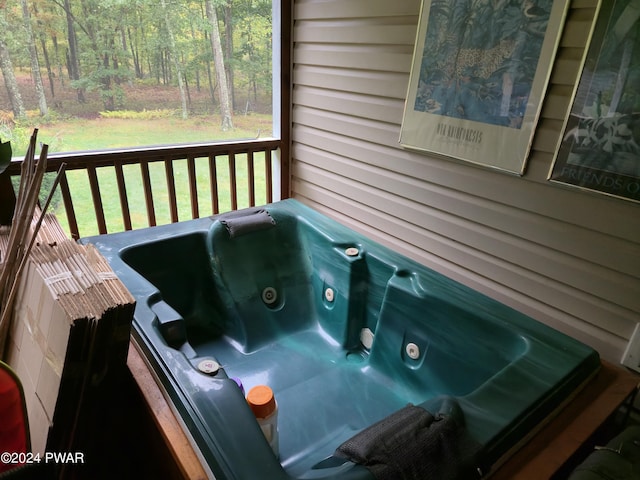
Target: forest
66,61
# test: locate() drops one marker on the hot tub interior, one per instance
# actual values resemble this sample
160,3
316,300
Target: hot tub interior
345,332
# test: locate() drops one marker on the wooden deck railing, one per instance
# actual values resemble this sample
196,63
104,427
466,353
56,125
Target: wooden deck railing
254,158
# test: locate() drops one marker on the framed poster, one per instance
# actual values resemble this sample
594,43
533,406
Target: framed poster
479,73
600,146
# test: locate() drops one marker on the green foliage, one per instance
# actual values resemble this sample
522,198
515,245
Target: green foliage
45,188
19,133
47,185
143,115
16,134
122,42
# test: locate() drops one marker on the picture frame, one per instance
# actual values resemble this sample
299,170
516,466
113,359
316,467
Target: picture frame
479,73
599,149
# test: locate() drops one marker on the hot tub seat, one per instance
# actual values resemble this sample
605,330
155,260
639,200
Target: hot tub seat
345,331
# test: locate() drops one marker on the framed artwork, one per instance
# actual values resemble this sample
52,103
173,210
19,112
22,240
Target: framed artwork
600,146
479,73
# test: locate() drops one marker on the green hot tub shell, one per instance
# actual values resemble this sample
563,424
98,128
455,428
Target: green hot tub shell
345,331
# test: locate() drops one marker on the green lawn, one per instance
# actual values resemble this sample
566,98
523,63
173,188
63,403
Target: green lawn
114,133
141,129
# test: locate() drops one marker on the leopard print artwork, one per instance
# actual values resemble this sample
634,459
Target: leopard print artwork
477,62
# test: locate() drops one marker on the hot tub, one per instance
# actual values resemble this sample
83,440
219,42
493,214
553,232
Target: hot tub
346,332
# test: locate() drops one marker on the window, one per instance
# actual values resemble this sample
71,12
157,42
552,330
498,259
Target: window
103,74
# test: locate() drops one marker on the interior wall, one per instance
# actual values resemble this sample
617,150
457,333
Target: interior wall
566,257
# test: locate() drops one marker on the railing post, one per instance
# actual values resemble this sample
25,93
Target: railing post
122,193
268,169
171,190
68,207
251,179
148,193
193,186
97,199
233,181
213,184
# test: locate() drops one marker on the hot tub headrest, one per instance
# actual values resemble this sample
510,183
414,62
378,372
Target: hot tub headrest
415,444
245,221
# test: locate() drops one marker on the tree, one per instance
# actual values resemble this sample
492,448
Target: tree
73,65
33,55
176,60
99,45
101,25
253,54
228,50
7,71
42,29
216,47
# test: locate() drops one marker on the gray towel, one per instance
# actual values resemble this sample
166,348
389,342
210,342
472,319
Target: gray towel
413,444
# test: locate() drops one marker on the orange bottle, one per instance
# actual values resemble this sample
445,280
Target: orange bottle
265,408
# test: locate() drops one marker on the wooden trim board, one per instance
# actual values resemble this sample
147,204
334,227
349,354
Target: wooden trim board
168,425
563,436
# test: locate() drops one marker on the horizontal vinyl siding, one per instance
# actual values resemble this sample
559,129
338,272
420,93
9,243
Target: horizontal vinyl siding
568,258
